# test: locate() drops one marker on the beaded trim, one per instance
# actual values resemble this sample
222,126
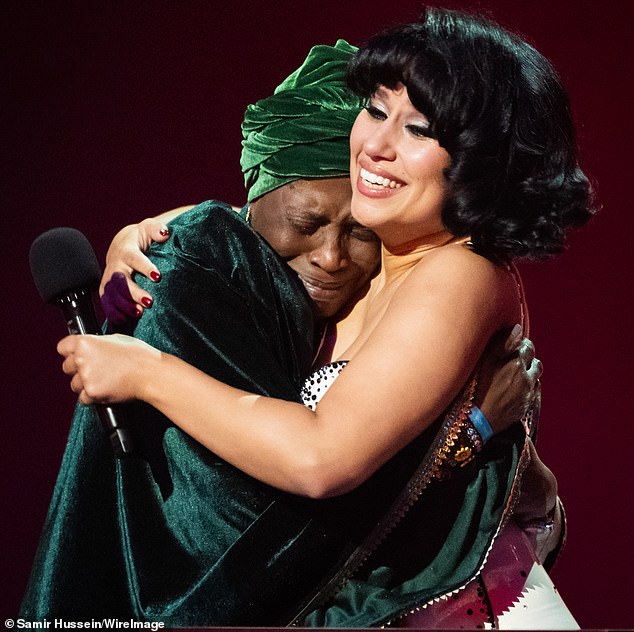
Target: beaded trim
457,441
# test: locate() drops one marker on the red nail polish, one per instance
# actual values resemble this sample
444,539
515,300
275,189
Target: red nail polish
155,276
147,302
137,313
164,231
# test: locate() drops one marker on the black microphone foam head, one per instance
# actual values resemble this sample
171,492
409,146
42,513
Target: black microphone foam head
62,260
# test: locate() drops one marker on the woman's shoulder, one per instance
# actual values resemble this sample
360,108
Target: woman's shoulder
213,225
458,277
210,211
459,264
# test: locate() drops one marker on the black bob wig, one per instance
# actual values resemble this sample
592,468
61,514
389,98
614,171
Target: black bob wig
499,109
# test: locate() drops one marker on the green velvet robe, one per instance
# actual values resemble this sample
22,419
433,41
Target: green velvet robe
175,534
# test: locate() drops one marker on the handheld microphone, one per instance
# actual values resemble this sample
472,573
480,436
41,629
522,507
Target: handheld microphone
66,271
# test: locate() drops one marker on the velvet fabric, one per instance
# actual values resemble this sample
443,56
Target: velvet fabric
175,534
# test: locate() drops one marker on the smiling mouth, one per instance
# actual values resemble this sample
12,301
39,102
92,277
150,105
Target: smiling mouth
375,181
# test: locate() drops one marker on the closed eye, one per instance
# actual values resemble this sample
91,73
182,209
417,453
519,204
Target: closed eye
362,233
305,228
420,131
375,113
304,222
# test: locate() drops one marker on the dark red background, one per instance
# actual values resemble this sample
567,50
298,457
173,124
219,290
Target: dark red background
114,111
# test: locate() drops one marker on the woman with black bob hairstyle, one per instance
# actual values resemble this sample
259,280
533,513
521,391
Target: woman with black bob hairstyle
499,109
465,148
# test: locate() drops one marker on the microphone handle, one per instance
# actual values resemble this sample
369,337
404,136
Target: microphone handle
81,319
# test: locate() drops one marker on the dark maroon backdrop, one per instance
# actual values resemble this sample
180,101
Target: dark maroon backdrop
114,111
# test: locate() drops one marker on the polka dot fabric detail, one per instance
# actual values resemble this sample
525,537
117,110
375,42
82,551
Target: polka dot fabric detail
319,382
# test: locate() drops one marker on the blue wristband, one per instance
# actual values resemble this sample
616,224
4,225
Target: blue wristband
480,423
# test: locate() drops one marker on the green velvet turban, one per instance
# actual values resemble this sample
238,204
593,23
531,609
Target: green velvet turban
303,130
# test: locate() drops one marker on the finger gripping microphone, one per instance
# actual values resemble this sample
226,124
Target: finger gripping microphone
66,271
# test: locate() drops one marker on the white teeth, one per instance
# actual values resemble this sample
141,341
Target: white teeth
370,177
373,178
